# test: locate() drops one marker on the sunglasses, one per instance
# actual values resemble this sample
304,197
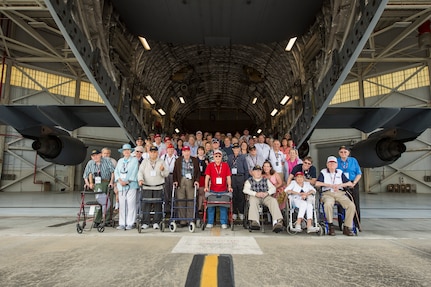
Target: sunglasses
307,163
217,156
139,151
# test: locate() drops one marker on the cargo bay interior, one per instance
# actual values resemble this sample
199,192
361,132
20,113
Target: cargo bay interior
39,67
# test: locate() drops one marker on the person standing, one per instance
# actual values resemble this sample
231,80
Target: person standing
239,169
99,176
350,168
151,176
169,158
186,177
218,180
126,177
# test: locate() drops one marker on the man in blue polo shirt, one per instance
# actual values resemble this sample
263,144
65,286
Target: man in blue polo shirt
351,169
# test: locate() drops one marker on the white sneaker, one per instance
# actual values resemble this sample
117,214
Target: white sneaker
121,227
209,225
156,226
234,216
241,216
145,226
224,226
297,228
312,229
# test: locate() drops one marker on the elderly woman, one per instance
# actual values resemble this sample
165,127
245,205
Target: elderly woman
126,178
302,197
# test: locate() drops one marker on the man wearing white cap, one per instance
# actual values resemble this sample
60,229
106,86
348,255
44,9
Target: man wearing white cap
332,181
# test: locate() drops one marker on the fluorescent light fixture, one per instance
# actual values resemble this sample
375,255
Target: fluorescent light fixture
254,100
150,99
284,100
290,44
161,111
177,130
274,112
182,100
259,131
144,43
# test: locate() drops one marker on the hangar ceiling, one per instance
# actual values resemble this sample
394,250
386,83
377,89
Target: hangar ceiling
218,67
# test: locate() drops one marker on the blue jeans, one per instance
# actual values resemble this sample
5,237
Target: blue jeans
211,213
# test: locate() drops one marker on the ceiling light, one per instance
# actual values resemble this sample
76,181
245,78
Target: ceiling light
161,111
290,44
254,100
284,100
259,131
177,130
150,99
274,112
144,43
182,100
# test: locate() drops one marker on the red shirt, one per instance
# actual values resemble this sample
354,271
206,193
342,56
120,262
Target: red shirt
222,171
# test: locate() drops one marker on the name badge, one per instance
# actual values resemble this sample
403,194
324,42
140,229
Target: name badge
234,170
346,174
201,168
188,176
153,173
219,180
97,180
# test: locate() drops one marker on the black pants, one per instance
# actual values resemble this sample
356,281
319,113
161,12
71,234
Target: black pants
355,195
146,206
238,199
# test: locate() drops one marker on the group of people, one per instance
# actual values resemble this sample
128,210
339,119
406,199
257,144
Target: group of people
258,170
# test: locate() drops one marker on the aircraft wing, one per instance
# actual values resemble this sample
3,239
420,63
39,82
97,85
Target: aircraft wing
394,126
47,126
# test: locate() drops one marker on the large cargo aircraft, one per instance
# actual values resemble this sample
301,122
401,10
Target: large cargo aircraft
218,65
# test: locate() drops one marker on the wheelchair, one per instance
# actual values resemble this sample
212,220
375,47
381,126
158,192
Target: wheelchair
291,213
339,214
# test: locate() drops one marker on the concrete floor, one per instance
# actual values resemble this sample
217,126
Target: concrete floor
40,247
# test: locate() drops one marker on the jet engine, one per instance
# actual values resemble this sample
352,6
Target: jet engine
377,151
60,149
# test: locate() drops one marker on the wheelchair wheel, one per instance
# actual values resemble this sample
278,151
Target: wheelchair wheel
192,227
172,226
79,229
321,230
101,228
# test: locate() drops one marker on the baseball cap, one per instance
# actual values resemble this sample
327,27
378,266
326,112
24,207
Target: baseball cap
217,151
343,147
186,147
299,173
215,140
95,151
251,147
198,132
331,159
167,139
157,136
257,167
170,146
139,148
154,148
235,145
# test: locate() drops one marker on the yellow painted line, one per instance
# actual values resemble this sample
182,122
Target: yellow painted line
215,231
209,271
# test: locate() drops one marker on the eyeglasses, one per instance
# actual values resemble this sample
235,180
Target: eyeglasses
217,156
139,151
307,163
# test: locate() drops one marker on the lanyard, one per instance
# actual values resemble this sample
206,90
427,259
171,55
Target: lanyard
218,171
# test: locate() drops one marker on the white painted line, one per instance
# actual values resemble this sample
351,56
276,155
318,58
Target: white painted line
217,245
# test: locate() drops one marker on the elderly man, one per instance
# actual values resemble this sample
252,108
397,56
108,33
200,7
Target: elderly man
215,145
98,176
350,167
332,181
151,176
263,150
218,180
260,190
186,176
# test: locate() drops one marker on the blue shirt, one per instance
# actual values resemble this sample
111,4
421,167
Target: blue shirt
350,167
127,170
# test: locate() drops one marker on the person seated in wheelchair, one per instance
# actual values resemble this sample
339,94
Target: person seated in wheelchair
333,181
260,190
302,197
